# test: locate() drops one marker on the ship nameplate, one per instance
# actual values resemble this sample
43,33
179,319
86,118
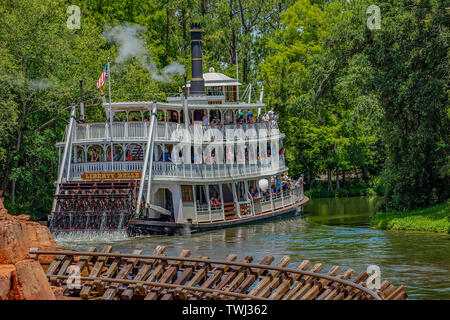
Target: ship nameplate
111,175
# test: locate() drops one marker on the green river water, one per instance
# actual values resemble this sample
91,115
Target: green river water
330,231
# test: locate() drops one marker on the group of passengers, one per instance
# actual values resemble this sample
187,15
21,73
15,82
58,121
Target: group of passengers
276,187
207,120
215,202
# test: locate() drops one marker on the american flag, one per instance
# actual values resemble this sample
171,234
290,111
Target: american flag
103,76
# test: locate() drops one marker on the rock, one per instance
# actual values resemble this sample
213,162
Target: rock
23,217
58,292
7,278
18,235
32,283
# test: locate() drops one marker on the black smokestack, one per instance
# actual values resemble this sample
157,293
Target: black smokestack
197,81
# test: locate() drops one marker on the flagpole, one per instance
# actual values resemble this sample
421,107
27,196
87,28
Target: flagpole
110,115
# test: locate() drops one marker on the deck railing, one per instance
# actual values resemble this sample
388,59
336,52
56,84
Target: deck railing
187,171
167,131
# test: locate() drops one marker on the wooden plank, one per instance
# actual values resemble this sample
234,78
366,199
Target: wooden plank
314,291
53,268
286,283
397,294
198,277
126,269
113,268
81,264
300,282
142,274
264,286
351,292
168,275
216,274
60,268
233,272
332,291
95,272
182,278
63,270
253,276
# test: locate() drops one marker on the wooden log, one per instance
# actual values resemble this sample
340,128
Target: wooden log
168,275
54,265
81,264
126,269
142,274
63,265
95,272
286,283
322,283
216,274
397,294
351,292
182,279
264,286
333,290
300,282
109,273
253,276
201,274
233,272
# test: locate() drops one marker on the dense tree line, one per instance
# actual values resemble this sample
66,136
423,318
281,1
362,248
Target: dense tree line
352,99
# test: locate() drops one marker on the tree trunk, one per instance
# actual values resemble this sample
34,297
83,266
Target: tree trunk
337,179
233,38
365,173
244,68
343,178
330,184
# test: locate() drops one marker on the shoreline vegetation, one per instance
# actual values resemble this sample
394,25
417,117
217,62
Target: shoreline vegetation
353,187
431,219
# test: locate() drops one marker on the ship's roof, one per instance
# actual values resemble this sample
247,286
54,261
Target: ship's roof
217,79
140,105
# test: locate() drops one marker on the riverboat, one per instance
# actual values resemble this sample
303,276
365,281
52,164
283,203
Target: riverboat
199,161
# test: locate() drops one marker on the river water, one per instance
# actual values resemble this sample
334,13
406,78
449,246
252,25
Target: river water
330,231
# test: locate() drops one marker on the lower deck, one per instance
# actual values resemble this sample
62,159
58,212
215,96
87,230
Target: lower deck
147,226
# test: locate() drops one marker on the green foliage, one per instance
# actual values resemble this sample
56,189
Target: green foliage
434,219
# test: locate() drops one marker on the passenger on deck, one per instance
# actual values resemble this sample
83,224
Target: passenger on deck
80,119
128,156
94,156
205,120
166,157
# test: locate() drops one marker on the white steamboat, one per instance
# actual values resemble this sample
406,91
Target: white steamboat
199,161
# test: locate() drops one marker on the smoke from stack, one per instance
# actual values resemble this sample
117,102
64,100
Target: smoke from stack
130,45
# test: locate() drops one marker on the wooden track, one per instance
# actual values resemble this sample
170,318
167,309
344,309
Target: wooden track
110,275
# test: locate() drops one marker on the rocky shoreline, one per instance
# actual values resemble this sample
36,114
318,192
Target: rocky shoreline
22,278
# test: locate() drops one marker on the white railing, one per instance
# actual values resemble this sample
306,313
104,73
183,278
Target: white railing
166,131
185,171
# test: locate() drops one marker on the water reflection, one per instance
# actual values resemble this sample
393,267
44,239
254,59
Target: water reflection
331,232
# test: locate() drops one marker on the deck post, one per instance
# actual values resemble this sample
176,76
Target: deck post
148,156
208,202
195,203
70,139
221,201
235,198
281,191
66,150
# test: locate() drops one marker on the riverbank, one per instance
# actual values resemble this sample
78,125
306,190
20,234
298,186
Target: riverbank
353,187
432,219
